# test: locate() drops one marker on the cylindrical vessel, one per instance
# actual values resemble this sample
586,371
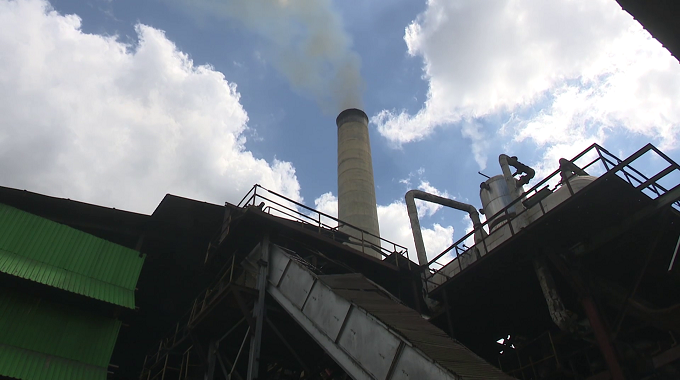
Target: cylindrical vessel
562,193
356,188
495,197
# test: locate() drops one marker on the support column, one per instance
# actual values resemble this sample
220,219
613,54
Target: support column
602,333
602,336
447,307
289,347
259,310
210,370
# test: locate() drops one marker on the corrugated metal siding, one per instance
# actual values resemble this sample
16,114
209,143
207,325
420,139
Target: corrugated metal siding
44,340
50,253
23,364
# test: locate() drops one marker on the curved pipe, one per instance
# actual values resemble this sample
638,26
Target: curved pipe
411,197
569,169
515,185
507,161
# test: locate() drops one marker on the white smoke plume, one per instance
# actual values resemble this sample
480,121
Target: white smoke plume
310,46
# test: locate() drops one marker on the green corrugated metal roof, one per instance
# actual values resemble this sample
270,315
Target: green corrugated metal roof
43,340
24,364
50,253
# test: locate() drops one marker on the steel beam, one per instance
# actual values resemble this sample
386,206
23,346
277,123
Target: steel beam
224,369
618,322
603,338
447,308
231,330
602,335
238,354
234,373
212,351
259,310
288,346
244,309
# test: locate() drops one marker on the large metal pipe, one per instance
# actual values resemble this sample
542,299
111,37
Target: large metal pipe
356,187
411,197
563,318
515,185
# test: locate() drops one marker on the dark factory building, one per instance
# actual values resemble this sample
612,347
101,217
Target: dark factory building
574,278
660,18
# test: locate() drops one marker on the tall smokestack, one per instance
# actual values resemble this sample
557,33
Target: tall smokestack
356,188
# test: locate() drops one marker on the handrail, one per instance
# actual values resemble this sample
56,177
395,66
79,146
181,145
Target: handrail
204,299
175,336
253,196
612,166
514,202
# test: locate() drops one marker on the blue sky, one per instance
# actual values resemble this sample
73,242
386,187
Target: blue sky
118,102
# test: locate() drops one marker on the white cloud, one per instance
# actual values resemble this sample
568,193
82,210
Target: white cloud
428,208
567,72
394,222
328,204
396,227
424,208
88,117
480,141
636,88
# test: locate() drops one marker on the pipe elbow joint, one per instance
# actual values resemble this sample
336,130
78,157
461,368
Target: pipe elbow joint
410,195
529,173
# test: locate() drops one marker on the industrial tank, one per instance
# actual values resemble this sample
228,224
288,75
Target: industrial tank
495,197
562,193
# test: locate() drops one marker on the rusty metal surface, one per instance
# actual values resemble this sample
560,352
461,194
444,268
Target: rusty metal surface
424,336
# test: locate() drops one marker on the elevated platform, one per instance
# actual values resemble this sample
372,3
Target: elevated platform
614,239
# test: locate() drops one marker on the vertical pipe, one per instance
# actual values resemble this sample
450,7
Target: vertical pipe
412,211
558,312
603,338
212,351
356,187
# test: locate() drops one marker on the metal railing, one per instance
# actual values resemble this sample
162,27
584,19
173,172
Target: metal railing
279,205
603,162
161,364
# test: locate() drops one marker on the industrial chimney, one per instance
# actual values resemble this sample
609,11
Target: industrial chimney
356,188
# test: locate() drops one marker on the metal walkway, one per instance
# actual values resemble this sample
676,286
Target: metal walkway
661,186
367,331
